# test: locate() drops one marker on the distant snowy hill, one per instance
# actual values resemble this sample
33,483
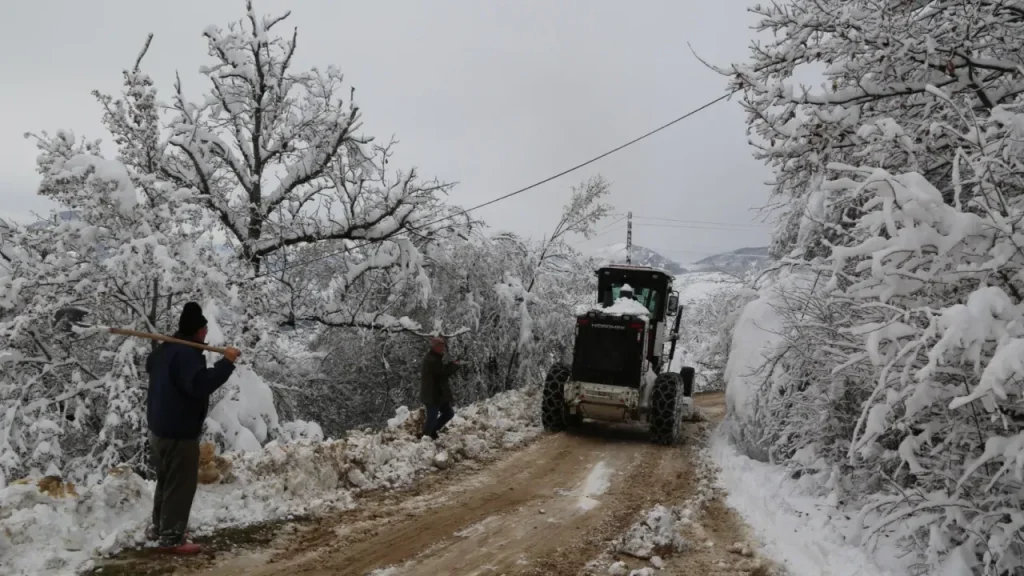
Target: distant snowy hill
735,262
616,254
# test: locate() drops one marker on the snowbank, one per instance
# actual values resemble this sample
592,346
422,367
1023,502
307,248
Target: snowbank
42,534
658,530
797,529
245,417
756,337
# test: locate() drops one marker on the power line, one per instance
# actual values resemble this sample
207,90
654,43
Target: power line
521,190
619,228
694,227
750,225
682,251
672,226
599,230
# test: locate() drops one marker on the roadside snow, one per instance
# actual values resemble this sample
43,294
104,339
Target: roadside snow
795,528
43,534
658,531
757,335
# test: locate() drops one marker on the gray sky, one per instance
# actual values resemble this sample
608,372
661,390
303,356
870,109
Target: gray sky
493,95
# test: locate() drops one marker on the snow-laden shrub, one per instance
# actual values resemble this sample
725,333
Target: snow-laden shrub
893,378
894,373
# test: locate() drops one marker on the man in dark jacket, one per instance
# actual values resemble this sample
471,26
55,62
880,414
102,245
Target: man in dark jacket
180,386
435,390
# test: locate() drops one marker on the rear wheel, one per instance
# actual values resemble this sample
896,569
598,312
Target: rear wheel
553,413
665,408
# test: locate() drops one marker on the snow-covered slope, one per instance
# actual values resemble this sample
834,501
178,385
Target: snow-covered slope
616,254
735,262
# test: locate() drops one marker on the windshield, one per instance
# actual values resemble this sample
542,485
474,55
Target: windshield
646,296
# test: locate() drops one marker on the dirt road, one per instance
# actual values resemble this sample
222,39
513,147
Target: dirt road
546,509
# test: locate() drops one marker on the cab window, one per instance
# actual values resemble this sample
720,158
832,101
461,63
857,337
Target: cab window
646,296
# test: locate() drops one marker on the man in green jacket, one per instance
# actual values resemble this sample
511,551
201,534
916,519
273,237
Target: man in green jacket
435,390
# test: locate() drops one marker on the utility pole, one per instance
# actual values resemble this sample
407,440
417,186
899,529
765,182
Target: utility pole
629,237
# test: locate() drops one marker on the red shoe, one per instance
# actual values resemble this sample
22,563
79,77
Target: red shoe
184,549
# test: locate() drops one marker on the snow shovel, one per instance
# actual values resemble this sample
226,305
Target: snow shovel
70,320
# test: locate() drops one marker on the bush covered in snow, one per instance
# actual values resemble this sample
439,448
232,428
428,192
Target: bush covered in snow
886,361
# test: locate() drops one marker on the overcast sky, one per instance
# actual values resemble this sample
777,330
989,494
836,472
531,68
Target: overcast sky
493,95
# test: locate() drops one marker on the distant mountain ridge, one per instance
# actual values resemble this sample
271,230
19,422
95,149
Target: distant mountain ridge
641,256
735,262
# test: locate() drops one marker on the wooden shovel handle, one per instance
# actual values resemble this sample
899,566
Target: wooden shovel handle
162,338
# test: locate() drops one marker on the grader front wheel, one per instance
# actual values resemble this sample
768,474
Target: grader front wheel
553,413
665,401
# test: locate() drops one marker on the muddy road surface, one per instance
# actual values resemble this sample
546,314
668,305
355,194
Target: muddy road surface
548,508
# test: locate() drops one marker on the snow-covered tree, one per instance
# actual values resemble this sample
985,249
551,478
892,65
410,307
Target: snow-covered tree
277,158
548,262
876,104
895,373
478,296
73,400
272,165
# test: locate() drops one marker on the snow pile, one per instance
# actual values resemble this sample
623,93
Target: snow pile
401,417
787,517
621,307
300,430
757,336
245,418
656,534
43,534
621,569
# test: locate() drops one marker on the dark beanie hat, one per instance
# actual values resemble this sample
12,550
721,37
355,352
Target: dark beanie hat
192,319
